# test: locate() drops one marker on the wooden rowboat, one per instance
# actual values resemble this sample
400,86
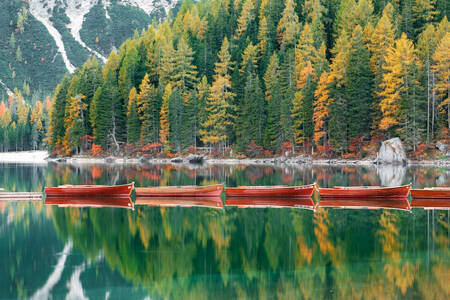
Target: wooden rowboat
432,204
90,190
365,192
271,191
431,193
211,202
264,202
180,191
83,201
385,203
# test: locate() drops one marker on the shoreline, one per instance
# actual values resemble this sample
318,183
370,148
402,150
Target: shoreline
42,157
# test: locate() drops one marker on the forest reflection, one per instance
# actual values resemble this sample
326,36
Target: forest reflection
265,253
209,250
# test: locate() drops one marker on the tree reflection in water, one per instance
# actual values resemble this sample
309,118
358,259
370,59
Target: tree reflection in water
265,253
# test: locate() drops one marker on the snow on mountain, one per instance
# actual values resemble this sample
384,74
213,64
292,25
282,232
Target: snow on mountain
76,10
41,10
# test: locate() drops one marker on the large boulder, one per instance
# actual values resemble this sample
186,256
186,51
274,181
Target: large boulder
391,152
442,147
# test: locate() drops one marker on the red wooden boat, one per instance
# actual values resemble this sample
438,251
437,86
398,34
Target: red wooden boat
180,191
263,202
431,193
443,204
385,203
211,202
83,201
90,190
271,191
365,192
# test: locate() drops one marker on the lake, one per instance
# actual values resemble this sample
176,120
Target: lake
227,252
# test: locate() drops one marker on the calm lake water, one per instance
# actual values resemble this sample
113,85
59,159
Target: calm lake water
48,251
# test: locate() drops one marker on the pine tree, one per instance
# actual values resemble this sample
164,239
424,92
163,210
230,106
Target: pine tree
164,119
184,76
400,92
218,105
423,12
56,129
74,123
381,40
321,109
441,67
288,26
147,106
133,122
302,110
338,109
358,87
313,12
273,134
246,17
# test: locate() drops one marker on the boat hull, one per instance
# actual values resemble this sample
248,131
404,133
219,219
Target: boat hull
424,203
435,193
89,190
271,191
210,202
180,191
270,202
385,203
80,201
365,192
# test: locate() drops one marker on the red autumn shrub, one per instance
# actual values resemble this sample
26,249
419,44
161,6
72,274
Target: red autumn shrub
254,150
325,150
151,149
97,150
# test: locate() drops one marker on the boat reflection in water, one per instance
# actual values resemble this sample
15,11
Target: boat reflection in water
273,202
211,202
117,202
436,204
385,203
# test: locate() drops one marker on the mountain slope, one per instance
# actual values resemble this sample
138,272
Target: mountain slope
59,35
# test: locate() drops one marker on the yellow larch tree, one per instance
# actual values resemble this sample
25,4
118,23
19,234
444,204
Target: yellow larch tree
321,103
218,105
395,83
441,67
247,16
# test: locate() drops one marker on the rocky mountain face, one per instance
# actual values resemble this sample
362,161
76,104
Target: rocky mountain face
43,39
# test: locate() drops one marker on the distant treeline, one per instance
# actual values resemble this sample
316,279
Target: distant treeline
23,126
329,76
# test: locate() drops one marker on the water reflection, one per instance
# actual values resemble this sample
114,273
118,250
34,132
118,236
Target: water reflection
206,253
118,202
211,202
274,202
385,203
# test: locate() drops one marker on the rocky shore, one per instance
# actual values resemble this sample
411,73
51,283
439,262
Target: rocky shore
391,153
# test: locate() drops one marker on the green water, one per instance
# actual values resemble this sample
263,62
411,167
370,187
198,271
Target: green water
229,253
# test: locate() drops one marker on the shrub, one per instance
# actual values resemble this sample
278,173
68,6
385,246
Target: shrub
97,150
325,150
254,150
151,149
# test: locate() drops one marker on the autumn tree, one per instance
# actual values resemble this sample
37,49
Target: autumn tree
218,105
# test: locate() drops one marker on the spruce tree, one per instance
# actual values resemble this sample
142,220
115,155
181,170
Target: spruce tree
273,134
358,87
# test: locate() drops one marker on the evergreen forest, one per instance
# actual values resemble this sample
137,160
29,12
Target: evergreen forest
329,77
